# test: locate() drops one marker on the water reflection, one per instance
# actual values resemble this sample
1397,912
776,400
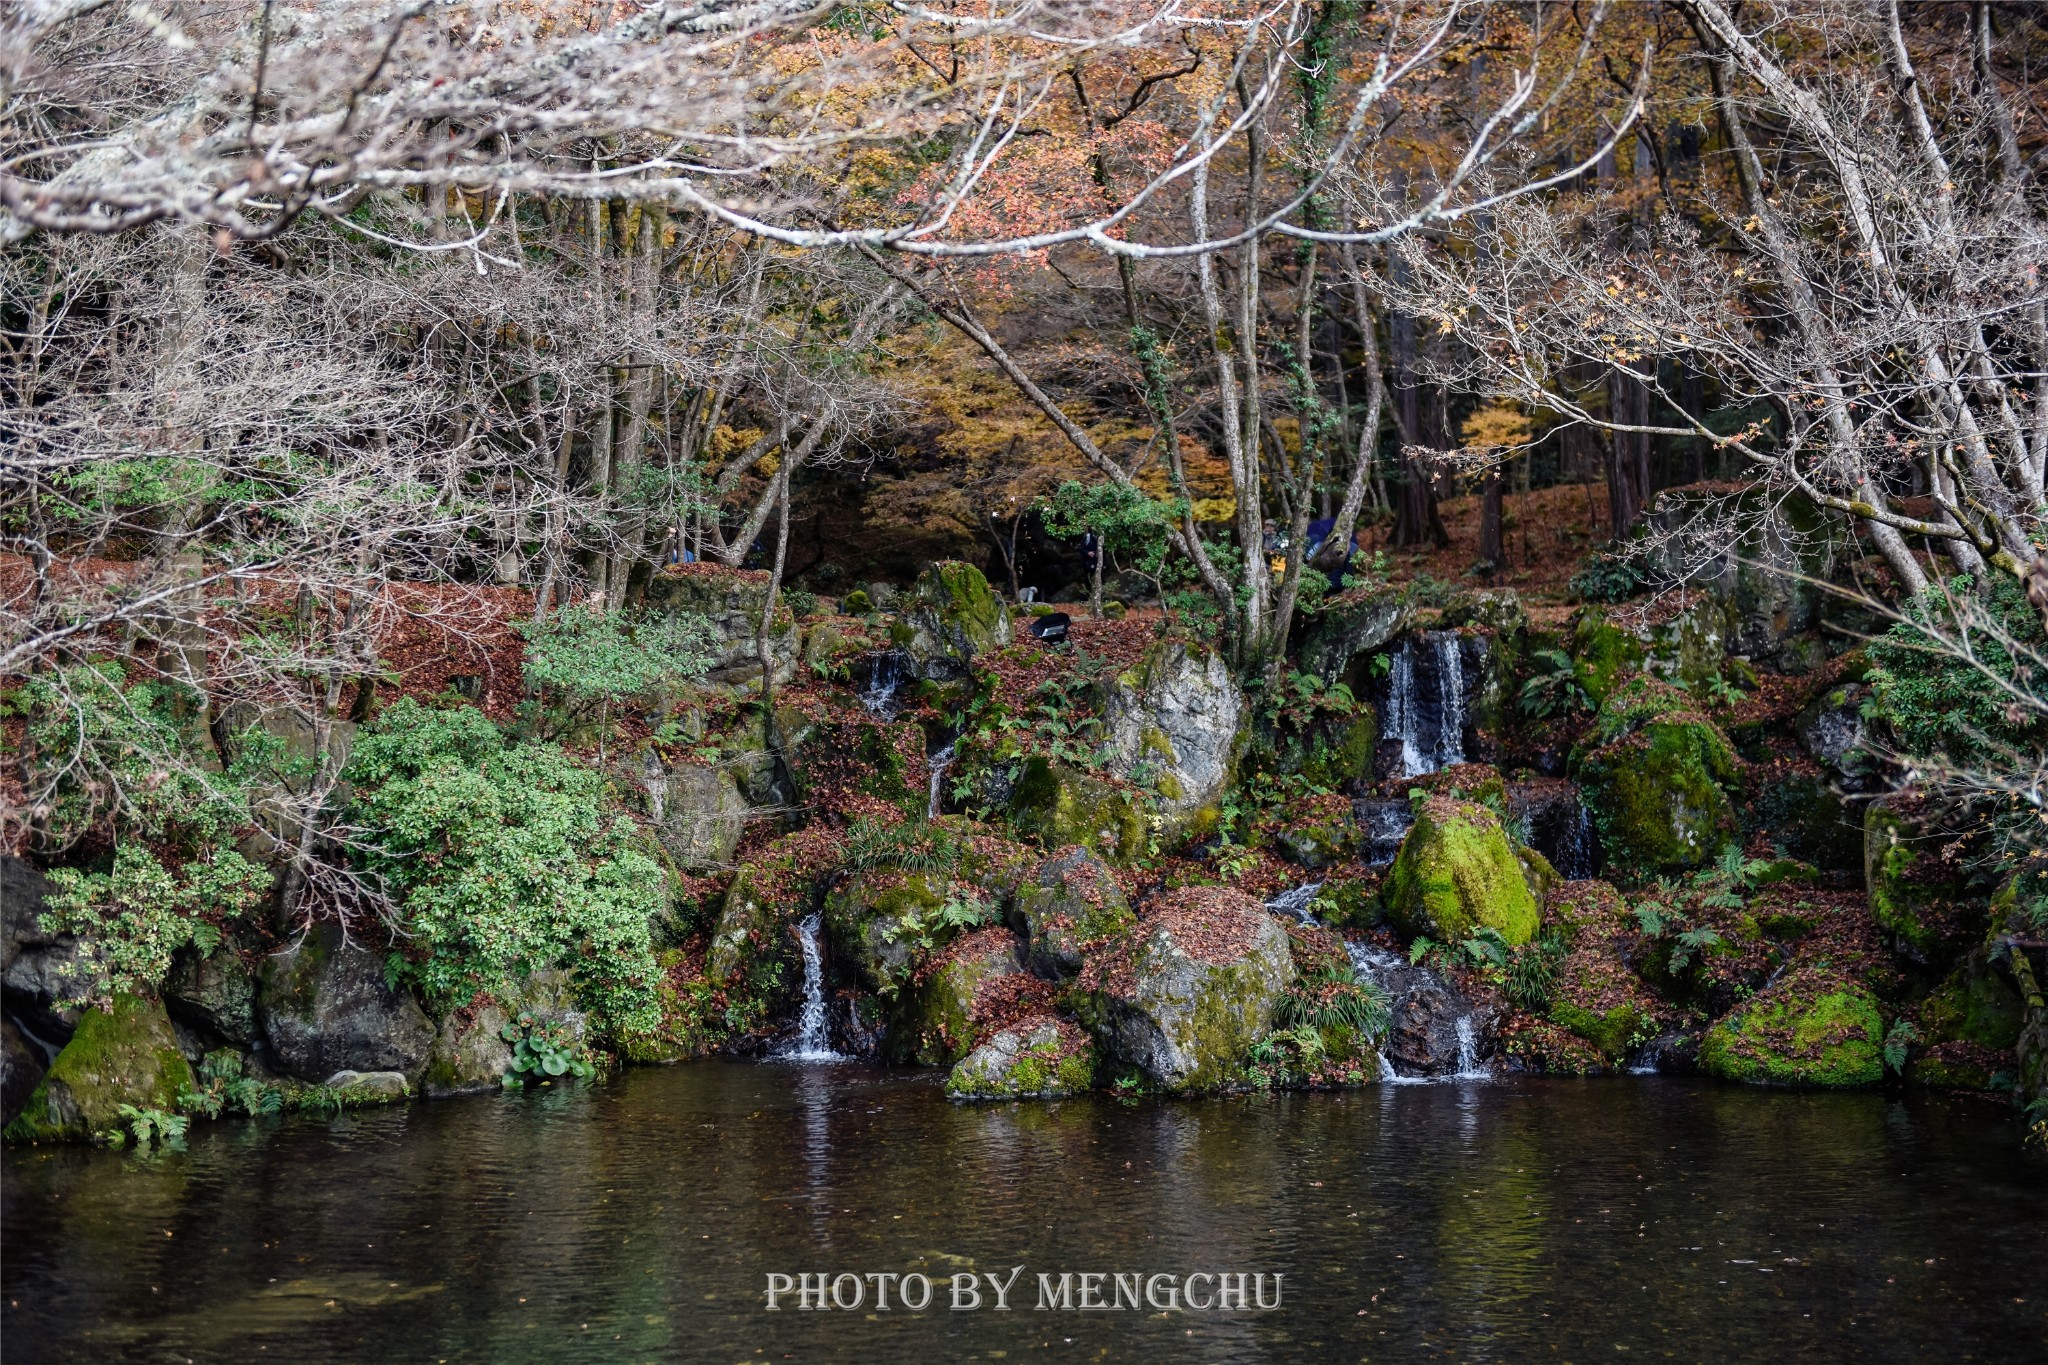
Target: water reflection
638,1220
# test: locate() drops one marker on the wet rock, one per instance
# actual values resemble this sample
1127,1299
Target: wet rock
1423,1013
214,992
370,1087
471,1052
1188,989
937,1025
1058,805
752,950
1811,1027
1039,1057
952,616
1550,817
124,1053
1457,872
325,1006
40,971
1071,902
1175,723
21,1070
731,601
1654,769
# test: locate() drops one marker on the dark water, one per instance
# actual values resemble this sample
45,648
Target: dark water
1551,1220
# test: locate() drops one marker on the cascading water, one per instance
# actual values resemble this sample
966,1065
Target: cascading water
1425,708
812,1043
939,762
884,680
1386,822
1450,716
1398,980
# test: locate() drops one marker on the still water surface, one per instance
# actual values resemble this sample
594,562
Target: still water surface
1513,1221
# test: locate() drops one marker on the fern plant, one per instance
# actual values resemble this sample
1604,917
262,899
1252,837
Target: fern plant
1553,688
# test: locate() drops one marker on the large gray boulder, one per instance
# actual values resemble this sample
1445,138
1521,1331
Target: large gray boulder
1351,628
696,809
1072,901
1764,556
215,992
1175,722
1190,988
471,1052
952,616
40,971
325,1006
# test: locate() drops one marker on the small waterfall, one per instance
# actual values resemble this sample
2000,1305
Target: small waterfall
1386,823
884,680
939,762
813,1043
1450,681
1296,902
1468,1053
1401,710
1580,860
1425,708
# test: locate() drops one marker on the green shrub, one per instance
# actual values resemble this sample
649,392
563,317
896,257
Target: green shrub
130,920
504,859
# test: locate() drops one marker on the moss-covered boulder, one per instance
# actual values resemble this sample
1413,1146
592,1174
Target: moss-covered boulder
952,616
471,1052
1039,1057
1919,900
1496,627
731,600
1976,1003
937,1022
1812,1026
1175,722
872,921
1603,654
123,1053
753,951
1457,872
1071,903
1655,771
1058,805
1184,994
1762,555
326,1006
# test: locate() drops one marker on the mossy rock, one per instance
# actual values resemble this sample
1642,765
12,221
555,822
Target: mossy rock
1058,805
752,954
1187,992
953,615
1614,1031
1809,818
471,1054
1603,654
935,1022
327,1004
1922,906
862,756
1071,903
124,1053
1037,1058
1813,1027
1353,903
1975,1003
1456,872
870,921
1175,725
731,601
1655,773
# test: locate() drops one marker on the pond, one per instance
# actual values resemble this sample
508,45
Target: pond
642,1219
